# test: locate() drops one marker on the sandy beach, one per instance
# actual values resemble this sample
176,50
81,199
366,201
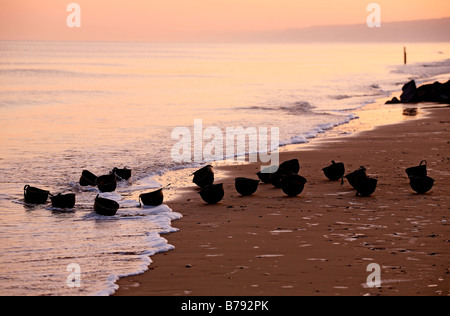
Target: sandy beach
321,242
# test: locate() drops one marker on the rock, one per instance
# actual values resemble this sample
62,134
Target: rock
428,92
409,94
393,101
436,92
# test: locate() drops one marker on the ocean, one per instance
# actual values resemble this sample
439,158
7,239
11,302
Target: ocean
70,106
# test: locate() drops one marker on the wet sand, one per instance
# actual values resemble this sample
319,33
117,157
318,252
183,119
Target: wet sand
321,242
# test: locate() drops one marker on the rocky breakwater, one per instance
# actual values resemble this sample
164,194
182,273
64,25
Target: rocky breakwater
435,92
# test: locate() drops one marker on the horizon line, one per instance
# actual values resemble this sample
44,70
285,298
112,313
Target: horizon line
250,32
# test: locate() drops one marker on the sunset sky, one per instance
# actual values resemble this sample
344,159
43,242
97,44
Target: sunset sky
178,20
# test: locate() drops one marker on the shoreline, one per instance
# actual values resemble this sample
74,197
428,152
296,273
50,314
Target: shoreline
248,246
368,117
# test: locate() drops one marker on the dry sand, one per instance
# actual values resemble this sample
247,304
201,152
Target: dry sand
321,242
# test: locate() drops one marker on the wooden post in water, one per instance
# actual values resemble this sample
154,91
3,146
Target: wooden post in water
404,56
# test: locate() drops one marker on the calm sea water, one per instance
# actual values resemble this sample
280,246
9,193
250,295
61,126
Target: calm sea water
65,107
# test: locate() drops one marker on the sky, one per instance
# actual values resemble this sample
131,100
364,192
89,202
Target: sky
186,20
